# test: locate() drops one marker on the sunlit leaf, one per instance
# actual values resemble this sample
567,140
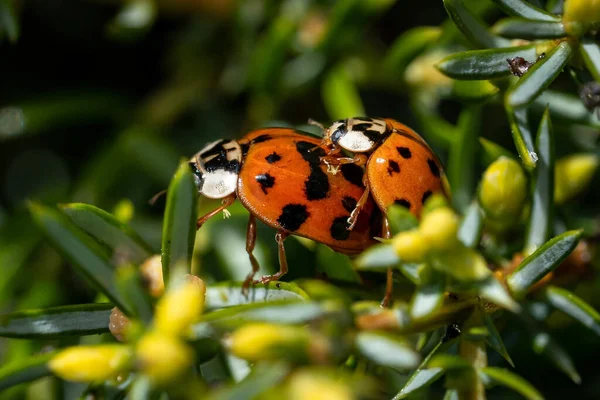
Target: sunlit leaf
539,76
573,306
228,294
484,64
526,10
379,256
449,362
384,349
428,296
179,226
513,381
75,320
491,290
540,220
263,377
472,27
520,28
519,126
340,95
471,226
543,260
565,107
400,219
591,56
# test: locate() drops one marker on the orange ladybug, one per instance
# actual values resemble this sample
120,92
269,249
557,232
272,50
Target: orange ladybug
278,176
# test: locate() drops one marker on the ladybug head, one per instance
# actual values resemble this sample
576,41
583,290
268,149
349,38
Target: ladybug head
358,135
216,168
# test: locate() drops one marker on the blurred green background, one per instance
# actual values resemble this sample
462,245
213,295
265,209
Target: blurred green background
100,99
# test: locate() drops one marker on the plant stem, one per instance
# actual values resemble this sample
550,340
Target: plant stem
475,352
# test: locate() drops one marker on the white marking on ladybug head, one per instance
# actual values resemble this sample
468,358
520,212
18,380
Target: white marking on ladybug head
216,168
358,135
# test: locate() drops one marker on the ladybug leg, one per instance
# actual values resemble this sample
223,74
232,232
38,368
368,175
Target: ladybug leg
389,283
250,242
359,205
283,267
227,201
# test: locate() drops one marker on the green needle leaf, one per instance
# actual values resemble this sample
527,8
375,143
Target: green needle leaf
471,26
340,95
492,151
526,10
428,296
540,221
591,56
27,370
471,226
565,107
573,306
494,340
106,229
519,126
484,64
379,257
228,294
543,260
386,350
519,28
76,320
87,256
506,378
539,76
407,46
179,226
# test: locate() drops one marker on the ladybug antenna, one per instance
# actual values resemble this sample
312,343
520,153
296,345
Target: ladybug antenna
316,123
156,197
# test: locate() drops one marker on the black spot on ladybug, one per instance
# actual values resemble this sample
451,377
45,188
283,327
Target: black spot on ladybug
433,167
452,331
426,195
372,134
316,186
404,152
339,132
266,181
216,158
362,127
393,167
349,203
273,158
403,203
245,147
293,216
262,138
353,174
339,228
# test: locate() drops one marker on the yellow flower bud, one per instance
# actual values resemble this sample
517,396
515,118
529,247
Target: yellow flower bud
503,190
91,363
305,385
263,341
162,357
580,15
151,271
439,228
572,174
423,73
462,263
180,307
410,246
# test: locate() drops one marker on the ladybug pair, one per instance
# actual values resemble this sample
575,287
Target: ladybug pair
305,186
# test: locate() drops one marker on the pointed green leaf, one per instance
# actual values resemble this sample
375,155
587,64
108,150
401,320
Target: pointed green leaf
76,320
471,26
492,151
491,290
179,225
573,306
521,8
542,261
544,344
539,76
106,229
336,265
473,91
263,376
385,349
513,381
591,56
540,220
401,219
428,296
451,394
484,64
449,362
519,28
86,255
519,126
565,107
379,256
471,226
408,45
494,340
340,95
228,294
131,286
462,156
27,370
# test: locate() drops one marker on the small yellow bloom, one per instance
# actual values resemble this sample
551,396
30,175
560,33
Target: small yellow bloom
572,175
439,228
263,341
91,363
410,246
180,307
162,357
305,385
580,15
503,190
